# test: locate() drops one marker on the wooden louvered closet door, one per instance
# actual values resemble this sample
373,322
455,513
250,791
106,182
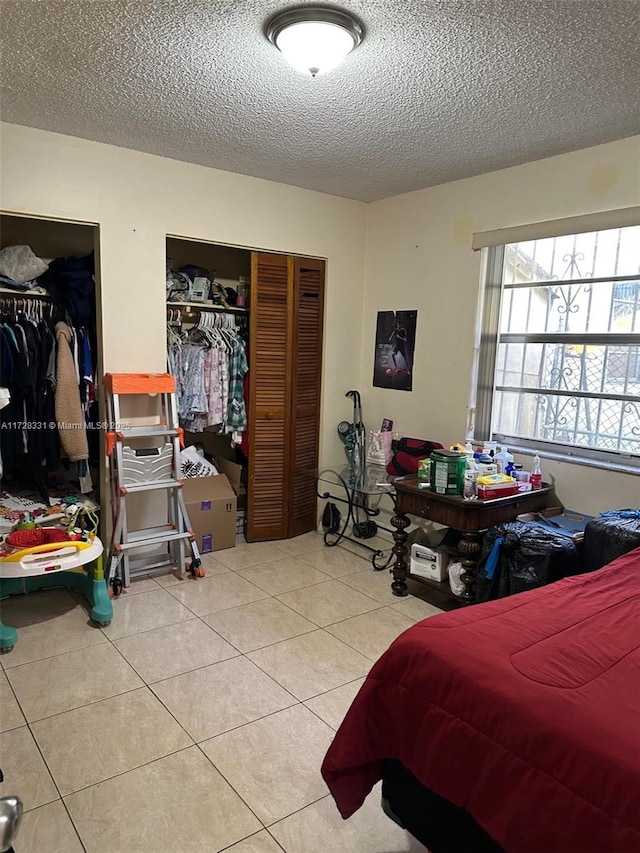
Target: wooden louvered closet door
269,396
306,366
285,357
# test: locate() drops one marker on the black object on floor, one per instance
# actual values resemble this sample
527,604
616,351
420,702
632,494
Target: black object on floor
609,536
365,529
437,823
330,518
528,556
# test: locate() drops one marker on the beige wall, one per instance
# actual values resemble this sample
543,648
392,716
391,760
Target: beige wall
408,252
419,257
137,199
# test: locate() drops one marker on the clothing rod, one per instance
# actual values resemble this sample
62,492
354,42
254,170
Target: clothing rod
34,308
205,306
191,314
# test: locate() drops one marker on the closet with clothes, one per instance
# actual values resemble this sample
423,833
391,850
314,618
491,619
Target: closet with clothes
49,451
244,333
207,355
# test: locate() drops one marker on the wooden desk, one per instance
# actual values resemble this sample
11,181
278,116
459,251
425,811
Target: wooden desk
469,518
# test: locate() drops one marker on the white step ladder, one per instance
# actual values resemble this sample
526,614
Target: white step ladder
148,469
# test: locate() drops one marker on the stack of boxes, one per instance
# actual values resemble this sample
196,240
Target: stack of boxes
492,486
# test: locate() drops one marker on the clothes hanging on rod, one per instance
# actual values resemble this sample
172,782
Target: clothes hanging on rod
30,370
209,362
69,412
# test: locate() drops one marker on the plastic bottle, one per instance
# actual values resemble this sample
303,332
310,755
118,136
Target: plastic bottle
536,473
241,299
486,465
502,459
470,486
470,454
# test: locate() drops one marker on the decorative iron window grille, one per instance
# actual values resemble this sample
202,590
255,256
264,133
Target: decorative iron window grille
559,361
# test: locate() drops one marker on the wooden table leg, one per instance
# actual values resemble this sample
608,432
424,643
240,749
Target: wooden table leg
471,546
400,522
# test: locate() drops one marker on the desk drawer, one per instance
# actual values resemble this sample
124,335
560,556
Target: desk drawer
468,515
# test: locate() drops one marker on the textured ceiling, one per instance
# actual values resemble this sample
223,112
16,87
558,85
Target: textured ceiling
438,90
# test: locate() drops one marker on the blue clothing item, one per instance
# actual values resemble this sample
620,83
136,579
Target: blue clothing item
17,285
621,513
70,283
84,366
187,365
492,559
86,357
11,334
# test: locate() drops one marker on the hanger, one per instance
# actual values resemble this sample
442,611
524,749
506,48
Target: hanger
175,334
199,332
175,317
33,310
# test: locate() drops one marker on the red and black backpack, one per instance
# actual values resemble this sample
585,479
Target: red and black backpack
407,454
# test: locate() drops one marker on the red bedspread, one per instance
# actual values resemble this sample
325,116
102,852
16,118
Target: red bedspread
524,711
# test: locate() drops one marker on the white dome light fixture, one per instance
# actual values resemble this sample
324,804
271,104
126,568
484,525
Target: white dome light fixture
314,39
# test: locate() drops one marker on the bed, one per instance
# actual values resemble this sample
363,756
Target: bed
513,725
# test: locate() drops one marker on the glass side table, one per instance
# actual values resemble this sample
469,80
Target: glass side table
361,496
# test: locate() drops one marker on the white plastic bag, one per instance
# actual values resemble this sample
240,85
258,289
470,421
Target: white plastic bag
455,571
194,465
379,447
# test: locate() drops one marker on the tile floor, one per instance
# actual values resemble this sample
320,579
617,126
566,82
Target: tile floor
198,720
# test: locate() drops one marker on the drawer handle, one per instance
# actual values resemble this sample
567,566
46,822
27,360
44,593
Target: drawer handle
424,511
269,416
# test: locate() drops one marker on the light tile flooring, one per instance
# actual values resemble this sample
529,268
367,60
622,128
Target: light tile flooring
198,720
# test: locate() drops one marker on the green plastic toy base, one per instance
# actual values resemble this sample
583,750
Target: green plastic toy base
90,582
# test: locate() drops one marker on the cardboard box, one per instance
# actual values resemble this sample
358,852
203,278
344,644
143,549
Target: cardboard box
231,470
242,498
428,563
211,506
234,473
565,522
490,493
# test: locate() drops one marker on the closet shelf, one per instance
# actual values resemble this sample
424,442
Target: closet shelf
9,291
232,309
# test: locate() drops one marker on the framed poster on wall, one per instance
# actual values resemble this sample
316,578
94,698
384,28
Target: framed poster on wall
395,343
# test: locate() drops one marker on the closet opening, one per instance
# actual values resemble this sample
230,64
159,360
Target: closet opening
207,350
244,335
51,440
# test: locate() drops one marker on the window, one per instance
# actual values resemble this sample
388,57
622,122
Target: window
559,364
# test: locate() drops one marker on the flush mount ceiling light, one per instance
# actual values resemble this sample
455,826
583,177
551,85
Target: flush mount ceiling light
314,39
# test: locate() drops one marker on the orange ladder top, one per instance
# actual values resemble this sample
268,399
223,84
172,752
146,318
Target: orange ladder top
140,383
